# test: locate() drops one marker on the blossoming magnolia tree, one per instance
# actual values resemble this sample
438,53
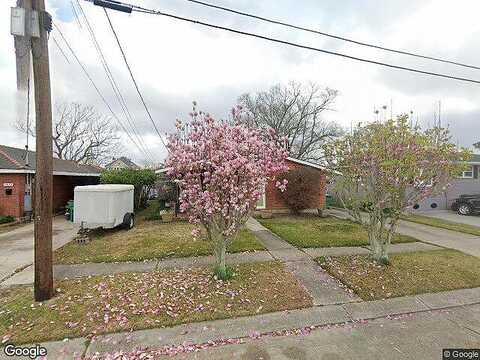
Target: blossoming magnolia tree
385,168
221,170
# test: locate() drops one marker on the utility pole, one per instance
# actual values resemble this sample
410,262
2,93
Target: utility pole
44,162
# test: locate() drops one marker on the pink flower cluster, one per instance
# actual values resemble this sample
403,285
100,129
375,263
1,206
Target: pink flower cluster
222,168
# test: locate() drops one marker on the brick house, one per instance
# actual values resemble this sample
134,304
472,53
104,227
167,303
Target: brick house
272,202
17,175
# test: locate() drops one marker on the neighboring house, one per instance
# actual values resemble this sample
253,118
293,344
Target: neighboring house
17,174
122,163
468,182
272,202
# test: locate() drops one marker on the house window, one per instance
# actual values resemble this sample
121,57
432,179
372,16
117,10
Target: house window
262,201
467,174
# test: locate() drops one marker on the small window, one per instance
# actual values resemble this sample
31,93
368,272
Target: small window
8,191
467,174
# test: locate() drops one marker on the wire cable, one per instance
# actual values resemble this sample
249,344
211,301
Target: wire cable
116,89
133,79
96,87
60,49
342,38
284,42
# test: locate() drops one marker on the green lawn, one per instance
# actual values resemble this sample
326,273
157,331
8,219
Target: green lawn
311,231
408,273
148,240
444,224
134,301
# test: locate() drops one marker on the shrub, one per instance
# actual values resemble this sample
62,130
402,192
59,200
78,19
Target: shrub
142,180
6,219
299,195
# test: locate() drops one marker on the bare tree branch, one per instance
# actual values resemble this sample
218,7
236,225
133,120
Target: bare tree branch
81,134
294,111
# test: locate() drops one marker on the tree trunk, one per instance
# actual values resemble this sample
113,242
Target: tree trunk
220,249
220,253
379,241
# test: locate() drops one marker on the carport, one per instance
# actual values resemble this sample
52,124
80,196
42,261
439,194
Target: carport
17,177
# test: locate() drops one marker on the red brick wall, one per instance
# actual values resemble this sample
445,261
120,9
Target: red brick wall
62,191
274,200
12,204
63,187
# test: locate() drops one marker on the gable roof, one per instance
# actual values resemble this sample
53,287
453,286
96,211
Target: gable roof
306,163
14,160
126,161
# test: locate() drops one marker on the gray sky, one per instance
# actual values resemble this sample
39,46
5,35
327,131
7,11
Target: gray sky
176,62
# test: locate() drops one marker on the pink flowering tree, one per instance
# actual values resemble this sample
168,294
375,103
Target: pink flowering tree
222,170
383,169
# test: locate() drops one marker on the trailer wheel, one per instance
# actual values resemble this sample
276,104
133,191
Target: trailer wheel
128,221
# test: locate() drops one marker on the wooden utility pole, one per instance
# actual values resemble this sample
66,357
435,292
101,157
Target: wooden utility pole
22,50
44,161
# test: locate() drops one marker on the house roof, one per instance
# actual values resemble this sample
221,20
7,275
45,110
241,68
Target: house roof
301,162
13,160
306,163
126,161
475,159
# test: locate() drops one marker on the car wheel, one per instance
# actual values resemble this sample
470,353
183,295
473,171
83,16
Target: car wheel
128,221
464,209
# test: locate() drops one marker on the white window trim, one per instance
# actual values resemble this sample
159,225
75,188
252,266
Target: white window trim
467,177
264,198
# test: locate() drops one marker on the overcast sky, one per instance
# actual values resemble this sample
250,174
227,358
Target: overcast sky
176,62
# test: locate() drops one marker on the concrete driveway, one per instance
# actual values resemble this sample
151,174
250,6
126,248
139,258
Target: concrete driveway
469,244
16,246
451,216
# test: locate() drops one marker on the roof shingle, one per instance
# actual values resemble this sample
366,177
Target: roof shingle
16,159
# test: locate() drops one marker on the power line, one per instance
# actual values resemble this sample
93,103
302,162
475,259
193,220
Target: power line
297,27
284,42
115,87
75,13
60,49
96,87
133,79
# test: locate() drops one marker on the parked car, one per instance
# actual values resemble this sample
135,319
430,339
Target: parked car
467,204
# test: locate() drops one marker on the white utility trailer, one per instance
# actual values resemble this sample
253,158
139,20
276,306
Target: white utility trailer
105,206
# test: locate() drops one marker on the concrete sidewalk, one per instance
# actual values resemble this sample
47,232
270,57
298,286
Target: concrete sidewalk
430,322
417,336
61,272
17,245
468,244
324,289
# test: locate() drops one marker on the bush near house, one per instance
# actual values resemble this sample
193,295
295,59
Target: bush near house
143,180
298,194
6,219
